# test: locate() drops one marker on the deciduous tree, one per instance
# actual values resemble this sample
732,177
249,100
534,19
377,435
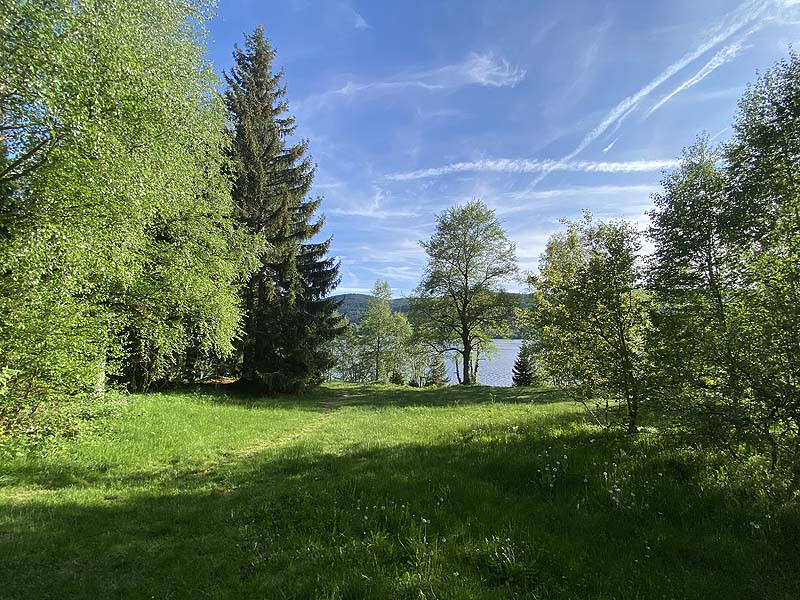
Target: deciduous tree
591,317
384,334
460,301
116,237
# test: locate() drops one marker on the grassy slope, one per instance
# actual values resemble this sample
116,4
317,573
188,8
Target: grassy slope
381,492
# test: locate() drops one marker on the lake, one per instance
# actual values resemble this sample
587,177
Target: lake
495,370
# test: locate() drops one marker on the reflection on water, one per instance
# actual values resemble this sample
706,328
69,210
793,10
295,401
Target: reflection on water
495,370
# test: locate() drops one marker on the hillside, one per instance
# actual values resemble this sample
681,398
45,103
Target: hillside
354,305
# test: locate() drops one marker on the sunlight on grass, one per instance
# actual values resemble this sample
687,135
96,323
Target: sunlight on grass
360,491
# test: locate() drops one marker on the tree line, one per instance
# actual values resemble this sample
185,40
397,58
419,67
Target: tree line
704,332
382,347
455,311
152,228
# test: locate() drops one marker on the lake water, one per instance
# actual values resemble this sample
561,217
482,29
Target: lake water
495,370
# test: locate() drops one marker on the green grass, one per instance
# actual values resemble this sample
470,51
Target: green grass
360,491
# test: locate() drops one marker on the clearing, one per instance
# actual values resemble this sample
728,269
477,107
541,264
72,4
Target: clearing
366,491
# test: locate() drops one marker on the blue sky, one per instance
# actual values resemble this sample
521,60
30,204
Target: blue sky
541,109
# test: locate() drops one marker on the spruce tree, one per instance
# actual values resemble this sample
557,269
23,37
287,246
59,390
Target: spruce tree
437,373
289,319
523,375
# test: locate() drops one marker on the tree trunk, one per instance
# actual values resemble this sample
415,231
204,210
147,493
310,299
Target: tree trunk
633,414
378,360
248,344
467,380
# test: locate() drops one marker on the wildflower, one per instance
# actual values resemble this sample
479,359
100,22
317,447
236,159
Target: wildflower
425,521
565,457
455,573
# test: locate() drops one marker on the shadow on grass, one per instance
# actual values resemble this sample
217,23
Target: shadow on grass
65,472
542,508
399,396
338,394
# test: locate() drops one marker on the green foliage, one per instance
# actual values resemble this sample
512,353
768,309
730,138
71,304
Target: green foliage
379,348
290,322
353,306
726,270
351,363
116,237
436,373
591,317
384,334
764,177
693,277
459,303
426,366
523,374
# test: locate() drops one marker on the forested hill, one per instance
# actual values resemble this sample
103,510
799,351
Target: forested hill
354,305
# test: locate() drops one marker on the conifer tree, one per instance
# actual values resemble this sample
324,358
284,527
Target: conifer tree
289,318
522,374
436,375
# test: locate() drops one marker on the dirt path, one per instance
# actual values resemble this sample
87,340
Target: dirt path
328,408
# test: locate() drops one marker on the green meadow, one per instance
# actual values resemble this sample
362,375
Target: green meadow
376,491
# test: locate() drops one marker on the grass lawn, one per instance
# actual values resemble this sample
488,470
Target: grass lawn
360,491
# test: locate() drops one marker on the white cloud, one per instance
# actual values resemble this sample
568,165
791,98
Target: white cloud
360,22
375,254
509,165
593,190
611,145
747,14
406,273
351,290
484,70
373,208
725,55
624,108
723,130
632,196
